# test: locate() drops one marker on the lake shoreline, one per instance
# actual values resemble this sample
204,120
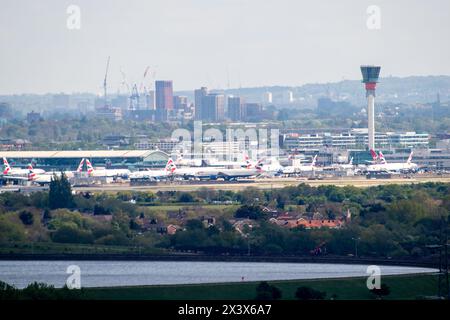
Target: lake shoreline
145,274
185,257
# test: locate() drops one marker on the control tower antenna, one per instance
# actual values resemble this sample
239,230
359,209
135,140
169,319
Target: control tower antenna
104,83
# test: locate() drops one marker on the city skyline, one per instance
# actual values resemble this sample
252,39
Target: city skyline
224,45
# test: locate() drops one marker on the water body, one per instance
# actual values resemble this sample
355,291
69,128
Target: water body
138,273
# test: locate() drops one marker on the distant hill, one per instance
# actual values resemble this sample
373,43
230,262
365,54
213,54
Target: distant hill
409,90
414,89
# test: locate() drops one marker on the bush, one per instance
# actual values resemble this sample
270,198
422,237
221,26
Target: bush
185,197
27,218
249,212
100,210
307,293
8,292
71,234
39,291
116,239
265,291
384,290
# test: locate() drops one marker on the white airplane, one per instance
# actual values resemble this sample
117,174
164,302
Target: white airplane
383,166
210,173
238,173
272,168
246,163
155,174
302,168
46,177
103,172
214,173
181,161
18,171
344,166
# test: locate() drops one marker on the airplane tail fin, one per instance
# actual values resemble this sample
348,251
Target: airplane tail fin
80,166
7,168
410,158
313,163
31,174
260,163
90,168
374,155
382,159
170,166
248,163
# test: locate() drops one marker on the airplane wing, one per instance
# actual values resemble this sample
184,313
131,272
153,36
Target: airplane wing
14,178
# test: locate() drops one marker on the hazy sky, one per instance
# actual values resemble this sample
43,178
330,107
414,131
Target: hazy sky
217,43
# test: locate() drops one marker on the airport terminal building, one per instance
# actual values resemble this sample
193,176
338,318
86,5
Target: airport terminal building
69,160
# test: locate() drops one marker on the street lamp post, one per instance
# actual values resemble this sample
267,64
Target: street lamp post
356,246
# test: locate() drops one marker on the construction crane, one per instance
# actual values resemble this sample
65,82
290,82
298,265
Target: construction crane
142,85
134,98
144,88
104,82
124,80
136,91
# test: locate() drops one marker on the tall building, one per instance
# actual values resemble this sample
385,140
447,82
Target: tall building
199,94
163,99
180,102
150,100
288,96
267,97
252,111
213,107
235,108
370,78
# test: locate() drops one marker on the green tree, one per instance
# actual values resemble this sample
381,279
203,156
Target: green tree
307,293
249,212
10,231
383,291
26,217
60,193
8,292
46,215
185,197
71,234
194,224
265,291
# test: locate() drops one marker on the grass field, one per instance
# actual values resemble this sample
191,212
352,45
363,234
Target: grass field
270,183
405,287
63,248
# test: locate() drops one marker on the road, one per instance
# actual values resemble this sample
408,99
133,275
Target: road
268,183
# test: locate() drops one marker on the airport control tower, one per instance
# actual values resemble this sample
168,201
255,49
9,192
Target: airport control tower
370,78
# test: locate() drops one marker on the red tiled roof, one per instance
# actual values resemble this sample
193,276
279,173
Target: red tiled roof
309,224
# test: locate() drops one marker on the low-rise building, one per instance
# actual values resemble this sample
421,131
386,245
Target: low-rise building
68,160
354,138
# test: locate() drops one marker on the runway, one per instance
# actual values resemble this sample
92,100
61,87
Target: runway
268,183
